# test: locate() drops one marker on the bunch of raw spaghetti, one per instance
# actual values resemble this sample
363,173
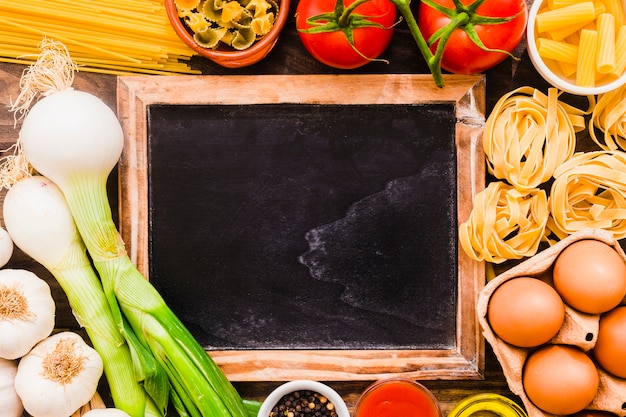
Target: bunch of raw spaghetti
108,36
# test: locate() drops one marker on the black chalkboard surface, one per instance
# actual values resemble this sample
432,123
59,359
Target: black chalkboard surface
306,225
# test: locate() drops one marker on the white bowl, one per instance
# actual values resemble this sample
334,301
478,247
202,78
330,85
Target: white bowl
552,74
302,385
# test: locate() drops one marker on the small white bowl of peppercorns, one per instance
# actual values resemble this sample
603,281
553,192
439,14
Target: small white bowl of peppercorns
304,398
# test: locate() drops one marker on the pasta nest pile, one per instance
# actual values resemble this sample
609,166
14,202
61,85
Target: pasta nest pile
236,23
530,140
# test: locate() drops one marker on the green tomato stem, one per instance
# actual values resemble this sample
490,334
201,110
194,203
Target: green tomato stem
457,21
343,13
432,60
461,17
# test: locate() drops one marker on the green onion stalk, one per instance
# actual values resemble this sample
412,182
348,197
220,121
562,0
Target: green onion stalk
40,224
74,139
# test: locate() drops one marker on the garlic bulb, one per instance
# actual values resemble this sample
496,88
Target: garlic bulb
6,247
26,312
105,412
10,404
58,376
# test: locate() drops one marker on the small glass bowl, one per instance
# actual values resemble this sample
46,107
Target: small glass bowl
226,56
304,385
550,72
423,403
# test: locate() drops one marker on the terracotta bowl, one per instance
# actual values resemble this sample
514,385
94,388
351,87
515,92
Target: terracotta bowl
225,55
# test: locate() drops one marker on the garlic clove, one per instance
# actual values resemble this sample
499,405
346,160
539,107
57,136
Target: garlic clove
6,247
10,403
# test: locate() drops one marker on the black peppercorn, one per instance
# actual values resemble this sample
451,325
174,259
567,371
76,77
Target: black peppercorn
303,403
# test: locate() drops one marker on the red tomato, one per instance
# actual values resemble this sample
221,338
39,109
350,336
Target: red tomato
333,48
461,55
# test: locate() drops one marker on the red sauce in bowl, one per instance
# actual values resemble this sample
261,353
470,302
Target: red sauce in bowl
397,397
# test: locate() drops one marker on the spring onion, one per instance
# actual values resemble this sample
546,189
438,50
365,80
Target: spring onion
40,224
74,139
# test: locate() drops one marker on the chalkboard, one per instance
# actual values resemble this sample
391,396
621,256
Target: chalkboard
284,226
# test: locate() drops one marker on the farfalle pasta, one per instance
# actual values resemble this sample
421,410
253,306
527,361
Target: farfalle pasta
505,223
609,116
236,23
589,191
528,135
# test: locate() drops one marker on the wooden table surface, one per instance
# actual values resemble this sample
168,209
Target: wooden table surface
289,57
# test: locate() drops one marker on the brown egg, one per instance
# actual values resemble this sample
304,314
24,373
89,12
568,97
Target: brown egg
610,348
560,379
590,276
525,312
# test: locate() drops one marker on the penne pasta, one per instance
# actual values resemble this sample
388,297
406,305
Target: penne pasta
566,31
616,8
556,4
567,16
568,70
587,58
557,50
598,59
605,62
620,52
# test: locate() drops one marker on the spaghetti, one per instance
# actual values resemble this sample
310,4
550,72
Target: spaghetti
106,36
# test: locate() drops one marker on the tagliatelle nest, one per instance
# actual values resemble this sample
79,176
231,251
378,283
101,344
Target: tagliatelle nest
609,117
589,191
528,135
505,223
236,23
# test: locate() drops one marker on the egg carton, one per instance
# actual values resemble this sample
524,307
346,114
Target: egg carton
579,329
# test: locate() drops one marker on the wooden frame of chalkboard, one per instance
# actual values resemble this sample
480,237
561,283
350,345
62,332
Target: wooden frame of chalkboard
156,114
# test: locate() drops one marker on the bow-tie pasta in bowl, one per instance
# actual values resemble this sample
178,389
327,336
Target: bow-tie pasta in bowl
231,33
